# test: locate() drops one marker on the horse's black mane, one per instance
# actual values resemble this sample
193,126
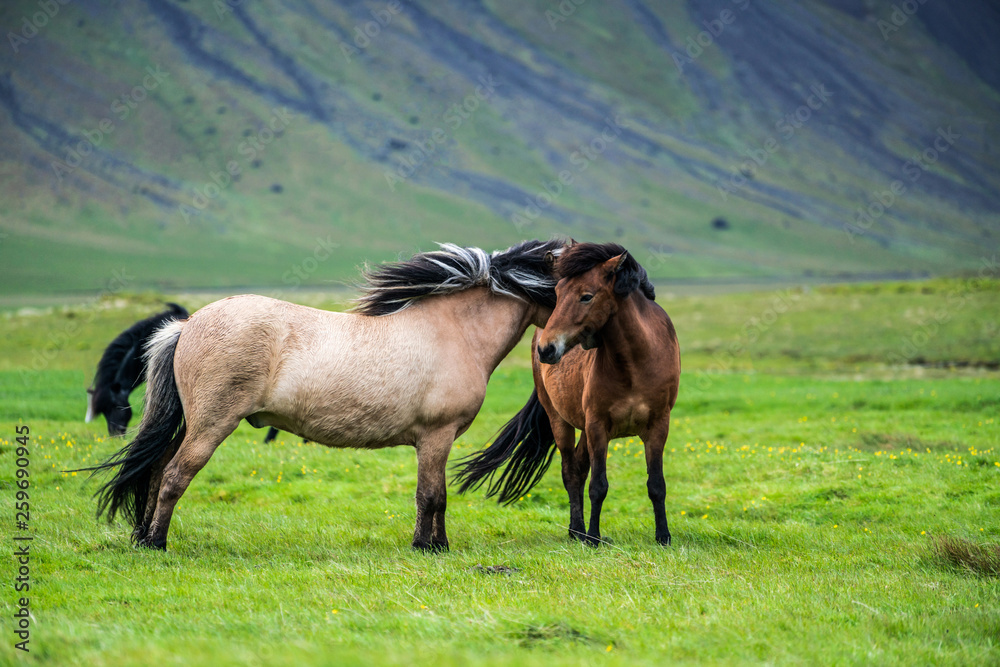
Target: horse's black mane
582,257
520,271
125,351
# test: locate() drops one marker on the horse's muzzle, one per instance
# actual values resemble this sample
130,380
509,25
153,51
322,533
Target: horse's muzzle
549,354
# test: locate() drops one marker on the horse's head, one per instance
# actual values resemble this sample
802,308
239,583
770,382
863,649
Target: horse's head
112,402
584,304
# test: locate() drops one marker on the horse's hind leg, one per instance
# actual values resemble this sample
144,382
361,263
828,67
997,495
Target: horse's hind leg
432,491
155,480
654,441
194,452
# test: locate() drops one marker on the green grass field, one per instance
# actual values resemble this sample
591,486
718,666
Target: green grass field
810,474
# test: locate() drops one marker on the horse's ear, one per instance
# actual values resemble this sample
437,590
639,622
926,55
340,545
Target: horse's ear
614,265
571,242
627,279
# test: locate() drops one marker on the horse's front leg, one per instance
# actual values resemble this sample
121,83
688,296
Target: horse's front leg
432,494
575,466
654,441
597,445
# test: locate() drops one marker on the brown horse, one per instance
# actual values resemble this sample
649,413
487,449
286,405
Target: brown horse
408,367
622,380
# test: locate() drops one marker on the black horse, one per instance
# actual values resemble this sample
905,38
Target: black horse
123,368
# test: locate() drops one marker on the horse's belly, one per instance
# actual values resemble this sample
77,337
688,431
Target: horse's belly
363,431
357,435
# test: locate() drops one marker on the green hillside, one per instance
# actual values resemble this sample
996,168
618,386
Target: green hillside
228,145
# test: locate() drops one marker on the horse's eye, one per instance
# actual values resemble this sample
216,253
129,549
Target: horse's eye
586,298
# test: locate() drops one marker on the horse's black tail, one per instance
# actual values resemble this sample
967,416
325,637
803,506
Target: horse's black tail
526,441
161,430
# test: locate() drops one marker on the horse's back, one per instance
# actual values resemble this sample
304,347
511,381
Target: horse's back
335,378
250,339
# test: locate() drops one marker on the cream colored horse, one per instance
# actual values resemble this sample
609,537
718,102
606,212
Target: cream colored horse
408,367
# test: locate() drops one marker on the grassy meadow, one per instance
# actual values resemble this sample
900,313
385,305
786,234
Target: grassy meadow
814,480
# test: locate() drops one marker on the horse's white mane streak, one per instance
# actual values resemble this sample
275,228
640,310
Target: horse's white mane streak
515,272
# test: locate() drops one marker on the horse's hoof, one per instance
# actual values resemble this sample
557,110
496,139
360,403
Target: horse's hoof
663,540
139,533
430,547
147,543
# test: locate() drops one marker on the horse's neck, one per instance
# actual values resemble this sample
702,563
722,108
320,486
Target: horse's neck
626,335
492,325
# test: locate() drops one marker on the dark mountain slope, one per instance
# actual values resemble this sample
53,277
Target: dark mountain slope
242,143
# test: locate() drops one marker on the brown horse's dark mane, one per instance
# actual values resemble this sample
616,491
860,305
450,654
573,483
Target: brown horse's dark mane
582,257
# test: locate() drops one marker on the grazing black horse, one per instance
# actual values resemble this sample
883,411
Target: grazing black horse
123,368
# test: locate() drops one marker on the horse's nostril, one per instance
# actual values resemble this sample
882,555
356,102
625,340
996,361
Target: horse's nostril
547,354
